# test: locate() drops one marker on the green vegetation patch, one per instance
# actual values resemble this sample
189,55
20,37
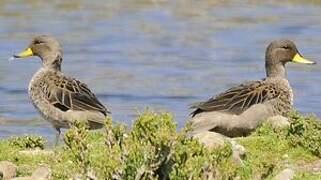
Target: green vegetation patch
306,132
28,142
153,149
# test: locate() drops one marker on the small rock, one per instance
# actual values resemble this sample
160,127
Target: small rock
210,139
278,122
238,152
8,170
286,174
41,173
216,140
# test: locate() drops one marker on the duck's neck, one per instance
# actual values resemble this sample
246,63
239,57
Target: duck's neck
275,70
52,62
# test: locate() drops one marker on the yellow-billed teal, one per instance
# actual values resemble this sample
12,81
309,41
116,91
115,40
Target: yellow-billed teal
60,99
240,109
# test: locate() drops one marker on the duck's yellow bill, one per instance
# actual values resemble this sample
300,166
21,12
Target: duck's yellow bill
26,53
299,59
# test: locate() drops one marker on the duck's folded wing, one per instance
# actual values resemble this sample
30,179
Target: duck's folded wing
238,99
70,94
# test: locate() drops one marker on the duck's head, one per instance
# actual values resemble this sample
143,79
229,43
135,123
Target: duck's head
280,52
47,48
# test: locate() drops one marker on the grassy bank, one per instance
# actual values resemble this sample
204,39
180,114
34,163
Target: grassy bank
153,149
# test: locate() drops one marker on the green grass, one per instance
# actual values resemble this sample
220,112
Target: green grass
153,149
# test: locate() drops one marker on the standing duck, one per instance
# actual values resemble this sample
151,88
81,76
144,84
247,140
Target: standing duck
60,99
240,109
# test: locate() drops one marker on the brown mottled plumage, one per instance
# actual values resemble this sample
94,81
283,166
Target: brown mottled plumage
238,99
273,94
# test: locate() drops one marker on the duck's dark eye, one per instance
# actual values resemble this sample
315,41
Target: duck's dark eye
285,47
37,42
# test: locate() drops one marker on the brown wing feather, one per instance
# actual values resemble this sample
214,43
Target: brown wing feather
70,94
238,99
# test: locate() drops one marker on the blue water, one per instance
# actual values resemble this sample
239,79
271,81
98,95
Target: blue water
158,54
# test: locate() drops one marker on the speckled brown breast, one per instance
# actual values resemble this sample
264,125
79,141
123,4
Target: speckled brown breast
53,115
283,103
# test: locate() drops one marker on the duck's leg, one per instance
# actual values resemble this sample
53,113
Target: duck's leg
57,136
